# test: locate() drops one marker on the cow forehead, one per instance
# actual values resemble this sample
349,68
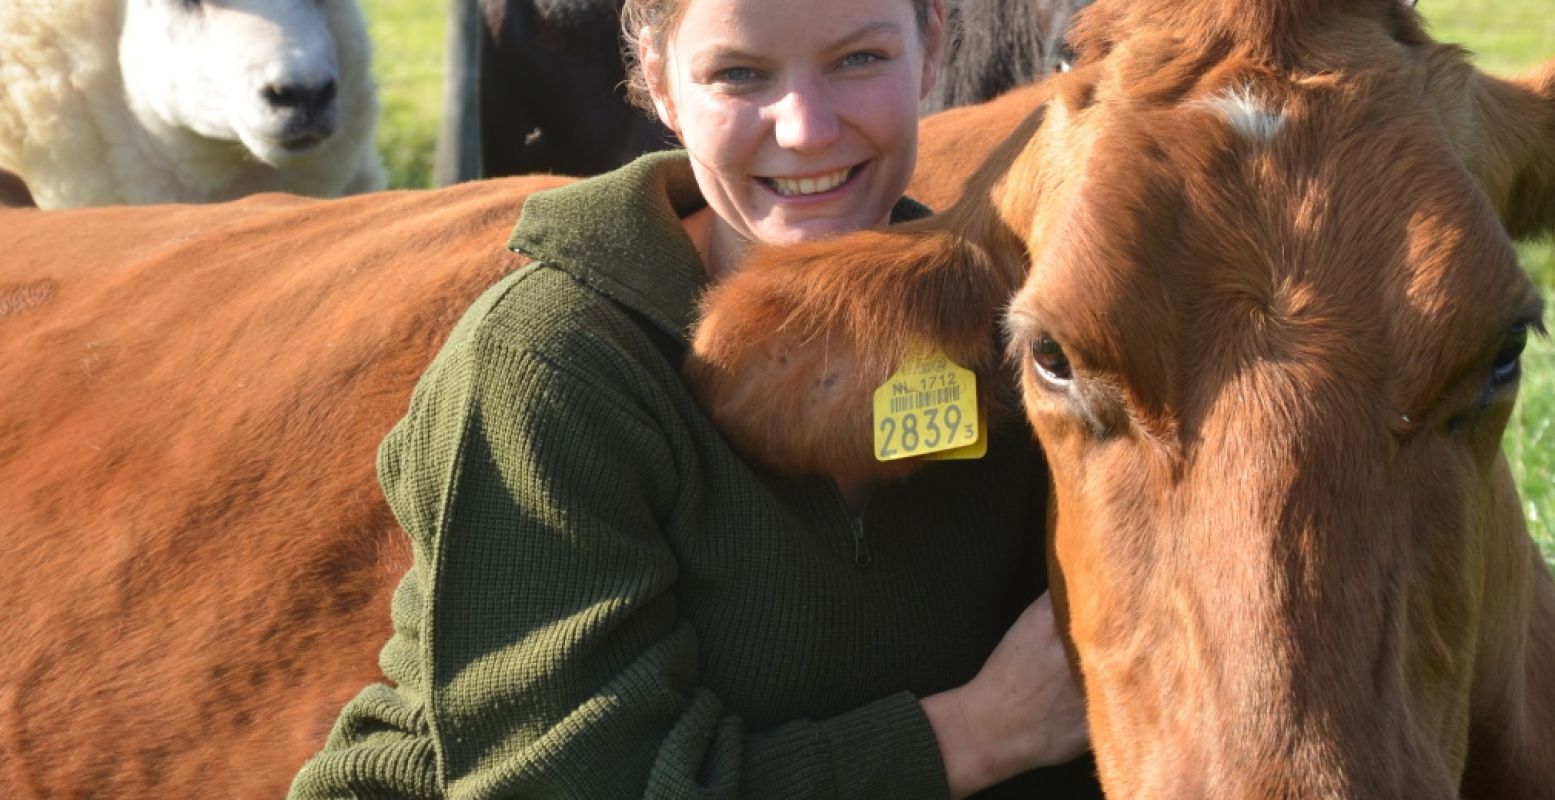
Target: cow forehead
1331,210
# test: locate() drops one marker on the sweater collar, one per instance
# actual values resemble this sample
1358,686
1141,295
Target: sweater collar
621,234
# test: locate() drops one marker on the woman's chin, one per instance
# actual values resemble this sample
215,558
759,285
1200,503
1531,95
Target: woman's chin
810,230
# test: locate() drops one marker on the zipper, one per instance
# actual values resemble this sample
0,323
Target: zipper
861,555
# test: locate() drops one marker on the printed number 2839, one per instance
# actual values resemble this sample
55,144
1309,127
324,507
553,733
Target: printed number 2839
920,430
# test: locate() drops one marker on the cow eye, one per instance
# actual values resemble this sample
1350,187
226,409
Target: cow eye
1509,359
1066,58
1049,359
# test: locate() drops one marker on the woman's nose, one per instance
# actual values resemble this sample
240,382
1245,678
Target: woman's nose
806,119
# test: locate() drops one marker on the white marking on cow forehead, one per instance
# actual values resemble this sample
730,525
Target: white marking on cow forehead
1246,113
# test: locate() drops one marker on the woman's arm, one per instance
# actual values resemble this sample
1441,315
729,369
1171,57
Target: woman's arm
538,650
1022,711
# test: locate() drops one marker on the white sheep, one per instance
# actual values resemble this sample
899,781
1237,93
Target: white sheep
144,101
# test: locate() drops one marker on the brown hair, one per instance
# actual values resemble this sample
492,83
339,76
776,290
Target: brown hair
659,18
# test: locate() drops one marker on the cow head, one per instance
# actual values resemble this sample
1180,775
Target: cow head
263,73
1267,329
1269,340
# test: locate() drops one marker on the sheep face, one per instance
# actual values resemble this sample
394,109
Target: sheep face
260,72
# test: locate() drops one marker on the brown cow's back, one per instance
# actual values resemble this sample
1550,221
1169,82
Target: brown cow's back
200,561
954,144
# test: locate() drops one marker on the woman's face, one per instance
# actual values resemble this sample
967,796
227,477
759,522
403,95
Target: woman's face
800,116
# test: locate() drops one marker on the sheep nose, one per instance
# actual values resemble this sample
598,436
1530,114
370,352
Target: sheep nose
310,100
307,108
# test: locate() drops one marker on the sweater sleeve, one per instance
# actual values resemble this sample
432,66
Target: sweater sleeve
537,649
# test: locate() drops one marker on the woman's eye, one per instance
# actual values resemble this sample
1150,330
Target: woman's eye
861,59
736,75
1508,364
1049,359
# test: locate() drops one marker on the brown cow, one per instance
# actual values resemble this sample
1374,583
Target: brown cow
198,558
1253,262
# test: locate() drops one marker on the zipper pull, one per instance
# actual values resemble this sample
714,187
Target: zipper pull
861,555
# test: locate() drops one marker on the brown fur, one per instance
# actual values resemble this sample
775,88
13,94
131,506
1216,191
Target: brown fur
198,558
1287,548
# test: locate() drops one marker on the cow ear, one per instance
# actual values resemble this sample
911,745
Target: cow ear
790,349
933,39
1512,147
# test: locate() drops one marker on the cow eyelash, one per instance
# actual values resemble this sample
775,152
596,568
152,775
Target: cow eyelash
1505,371
1507,367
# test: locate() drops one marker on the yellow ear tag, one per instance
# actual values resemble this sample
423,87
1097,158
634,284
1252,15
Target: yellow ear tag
929,405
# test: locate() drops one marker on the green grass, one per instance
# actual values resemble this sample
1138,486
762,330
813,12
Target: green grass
1506,35
408,63
1530,444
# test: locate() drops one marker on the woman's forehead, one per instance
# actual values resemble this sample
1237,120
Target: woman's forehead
789,24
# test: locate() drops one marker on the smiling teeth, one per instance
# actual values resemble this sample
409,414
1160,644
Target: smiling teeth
790,187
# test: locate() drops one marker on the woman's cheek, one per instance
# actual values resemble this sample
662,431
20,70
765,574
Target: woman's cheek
721,132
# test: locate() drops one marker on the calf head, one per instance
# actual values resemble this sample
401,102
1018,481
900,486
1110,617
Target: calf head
1265,318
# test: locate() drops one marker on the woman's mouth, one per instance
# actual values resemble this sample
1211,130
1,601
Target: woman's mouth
815,184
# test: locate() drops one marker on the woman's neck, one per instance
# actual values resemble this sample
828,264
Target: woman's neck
722,250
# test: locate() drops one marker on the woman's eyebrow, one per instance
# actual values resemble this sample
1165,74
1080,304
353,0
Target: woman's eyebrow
867,31
715,54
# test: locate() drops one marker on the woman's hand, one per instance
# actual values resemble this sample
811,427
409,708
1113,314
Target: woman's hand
1022,711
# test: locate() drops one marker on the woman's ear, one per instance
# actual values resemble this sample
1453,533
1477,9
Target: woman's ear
933,47
654,66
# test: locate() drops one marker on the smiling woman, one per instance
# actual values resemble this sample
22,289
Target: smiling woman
792,146
606,598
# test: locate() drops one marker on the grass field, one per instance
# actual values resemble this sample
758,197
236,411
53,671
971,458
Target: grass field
1506,36
408,61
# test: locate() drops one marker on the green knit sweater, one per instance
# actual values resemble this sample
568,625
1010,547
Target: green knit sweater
607,602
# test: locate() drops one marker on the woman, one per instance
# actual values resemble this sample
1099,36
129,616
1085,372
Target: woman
607,601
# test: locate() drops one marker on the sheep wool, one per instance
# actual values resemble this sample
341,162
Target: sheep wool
149,101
